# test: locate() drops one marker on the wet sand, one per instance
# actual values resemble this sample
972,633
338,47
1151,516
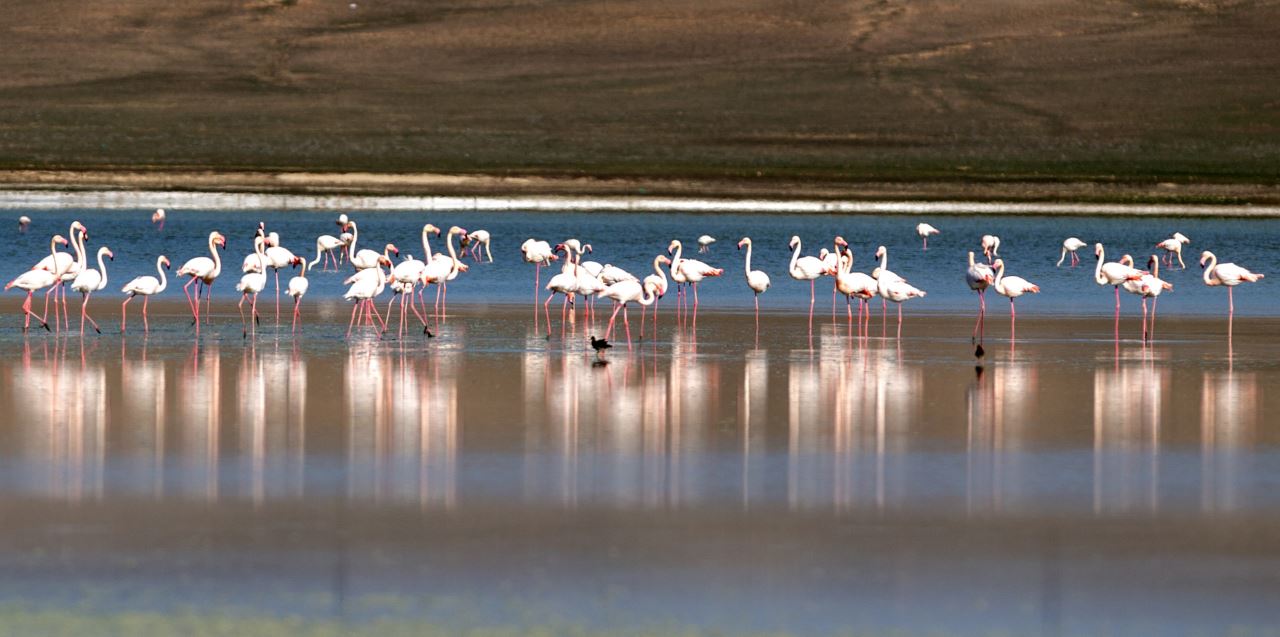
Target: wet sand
493,479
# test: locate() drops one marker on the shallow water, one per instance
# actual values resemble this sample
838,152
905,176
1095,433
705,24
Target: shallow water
701,481
1031,245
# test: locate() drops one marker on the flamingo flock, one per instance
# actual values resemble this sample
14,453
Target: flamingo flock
579,282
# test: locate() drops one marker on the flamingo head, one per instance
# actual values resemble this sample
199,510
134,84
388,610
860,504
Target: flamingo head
1097,250
841,242
462,267
998,264
59,239
219,240
296,261
431,228
795,240
110,255
553,258
662,258
273,239
458,230
880,252
673,246
165,261
588,249
393,249
1126,260
76,225
1182,238
746,241
559,247
1204,257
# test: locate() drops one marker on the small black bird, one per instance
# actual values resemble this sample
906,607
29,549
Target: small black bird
600,345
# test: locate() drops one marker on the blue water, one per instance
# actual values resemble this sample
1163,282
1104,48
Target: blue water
1031,245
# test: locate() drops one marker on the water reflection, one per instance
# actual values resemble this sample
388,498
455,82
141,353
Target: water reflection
853,426
1229,412
1129,399
1001,408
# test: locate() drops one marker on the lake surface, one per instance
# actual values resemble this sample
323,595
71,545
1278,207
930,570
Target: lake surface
1030,245
718,479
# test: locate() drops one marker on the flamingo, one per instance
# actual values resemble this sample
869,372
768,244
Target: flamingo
757,280
704,245
897,290
253,283
157,217
1228,274
477,239
1071,244
565,283
88,282
325,245
277,257
831,262
297,288
365,259
203,271
692,270
883,273
1012,287
979,276
23,222
404,276
853,285
622,293
65,267
365,286
446,268
1113,274
37,279
1172,248
538,253
805,269
659,281
1148,287
611,274
924,230
990,246
147,286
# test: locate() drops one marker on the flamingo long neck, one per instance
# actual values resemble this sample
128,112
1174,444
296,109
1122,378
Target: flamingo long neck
884,260
319,250
657,269
848,267
53,248
448,243
1208,272
995,247
217,260
747,272
355,235
1097,271
102,267
163,281
80,252
675,260
1060,259
1155,266
304,269
647,297
795,256
426,246
259,249
999,282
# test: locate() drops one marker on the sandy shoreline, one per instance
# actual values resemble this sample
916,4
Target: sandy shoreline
431,191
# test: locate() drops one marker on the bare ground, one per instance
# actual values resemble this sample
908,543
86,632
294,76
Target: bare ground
1063,98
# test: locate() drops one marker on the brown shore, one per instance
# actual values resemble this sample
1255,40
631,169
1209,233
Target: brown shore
1066,100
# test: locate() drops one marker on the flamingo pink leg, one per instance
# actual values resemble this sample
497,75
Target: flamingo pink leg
350,323
193,305
84,314
124,315
626,322
296,314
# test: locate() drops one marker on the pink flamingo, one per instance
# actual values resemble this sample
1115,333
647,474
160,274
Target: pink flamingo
37,279
1113,273
88,282
979,276
757,280
297,288
805,269
1228,274
622,293
659,281
203,271
924,230
1012,287
146,286
694,271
